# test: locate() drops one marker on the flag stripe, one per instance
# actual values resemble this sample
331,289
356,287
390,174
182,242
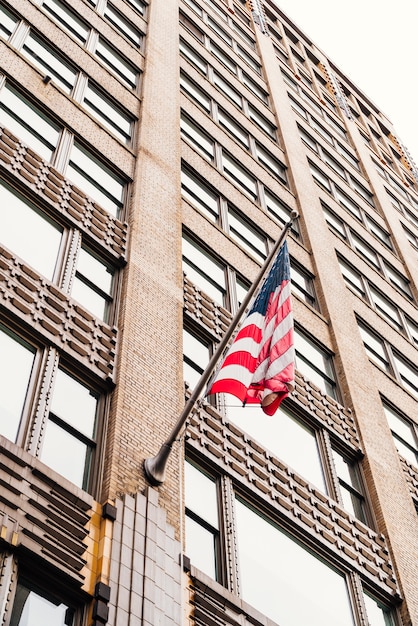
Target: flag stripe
259,365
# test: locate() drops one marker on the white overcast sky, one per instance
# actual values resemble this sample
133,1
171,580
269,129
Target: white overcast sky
375,43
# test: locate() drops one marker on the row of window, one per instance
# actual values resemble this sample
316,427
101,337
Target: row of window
277,574
340,130
61,71
55,64
221,283
199,96
215,153
41,242
68,19
324,181
67,442
367,252
381,303
388,358
56,145
244,34
324,155
227,60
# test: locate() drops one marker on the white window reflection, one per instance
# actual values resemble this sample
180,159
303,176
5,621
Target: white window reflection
92,284
70,430
28,123
202,524
284,435
284,580
15,370
377,613
28,233
32,609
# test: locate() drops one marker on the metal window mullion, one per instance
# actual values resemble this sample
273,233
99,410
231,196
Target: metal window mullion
17,38
70,260
63,150
46,377
228,530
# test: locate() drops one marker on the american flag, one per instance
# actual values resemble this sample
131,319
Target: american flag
259,366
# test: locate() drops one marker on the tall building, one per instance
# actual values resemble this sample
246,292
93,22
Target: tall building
150,155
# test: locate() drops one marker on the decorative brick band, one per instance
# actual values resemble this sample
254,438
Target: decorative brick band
41,516
61,321
52,189
298,503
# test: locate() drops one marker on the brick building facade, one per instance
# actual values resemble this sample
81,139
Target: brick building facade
150,154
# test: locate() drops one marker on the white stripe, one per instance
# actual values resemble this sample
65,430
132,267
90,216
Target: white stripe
235,372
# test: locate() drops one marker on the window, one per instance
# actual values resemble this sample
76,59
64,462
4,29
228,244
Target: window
384,355
263,123
233,128
7,22
227,90
350,486
223,58
404,434
108,113
315,363
197,94
277,208
247,235
50,62
273,165
287,436
33,605
198,138
15,370
199,194
202,523
123,25
375,348
28,232
203,270
117,64
302,284
93,284
28,123
254,87
192,56
378,614
69,440
245,180
67,18
283,579
195,357
96,179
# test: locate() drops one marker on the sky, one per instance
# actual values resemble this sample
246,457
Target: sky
373,43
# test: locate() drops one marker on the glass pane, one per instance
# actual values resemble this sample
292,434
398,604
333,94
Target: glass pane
49,62
123,25
248,237
74,403
407,374
201,141
199,195
240,175
32,609
377,614
196,357
116,63
95,180
96,271
67,19
7,23
108,113
283,434
15,370
64,454
28,233
28,123
201,495
194,92
284,580
200,547
203,271
233,128
89,298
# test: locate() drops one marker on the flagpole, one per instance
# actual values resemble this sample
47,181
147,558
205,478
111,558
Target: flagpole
154,467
